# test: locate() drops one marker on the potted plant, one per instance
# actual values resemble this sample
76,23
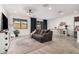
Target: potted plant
16,32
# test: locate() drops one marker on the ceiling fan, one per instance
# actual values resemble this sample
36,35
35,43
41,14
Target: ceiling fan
29,10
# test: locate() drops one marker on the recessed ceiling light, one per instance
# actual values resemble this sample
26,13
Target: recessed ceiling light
14,11
50,8
75,11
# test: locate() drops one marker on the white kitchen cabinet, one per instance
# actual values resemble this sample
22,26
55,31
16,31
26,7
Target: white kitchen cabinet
4,42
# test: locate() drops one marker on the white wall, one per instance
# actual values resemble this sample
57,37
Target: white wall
68,19
21,16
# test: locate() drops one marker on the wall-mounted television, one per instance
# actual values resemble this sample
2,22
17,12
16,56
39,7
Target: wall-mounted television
4,22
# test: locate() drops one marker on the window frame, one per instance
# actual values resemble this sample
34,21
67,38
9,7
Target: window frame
20,20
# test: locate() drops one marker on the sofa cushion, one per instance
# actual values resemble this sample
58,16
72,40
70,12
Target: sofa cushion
38,31
42,31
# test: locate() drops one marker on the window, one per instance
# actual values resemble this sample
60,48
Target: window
20,23
39,25
24,24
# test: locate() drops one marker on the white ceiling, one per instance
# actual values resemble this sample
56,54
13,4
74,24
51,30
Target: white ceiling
43,12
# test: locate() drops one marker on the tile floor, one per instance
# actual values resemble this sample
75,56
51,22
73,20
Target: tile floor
58,45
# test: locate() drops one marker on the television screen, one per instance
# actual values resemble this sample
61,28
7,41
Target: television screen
4,22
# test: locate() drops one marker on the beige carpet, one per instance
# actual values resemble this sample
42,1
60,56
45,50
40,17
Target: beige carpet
59,45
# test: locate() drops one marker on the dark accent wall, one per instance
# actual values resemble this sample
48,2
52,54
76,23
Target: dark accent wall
33,24
44,24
